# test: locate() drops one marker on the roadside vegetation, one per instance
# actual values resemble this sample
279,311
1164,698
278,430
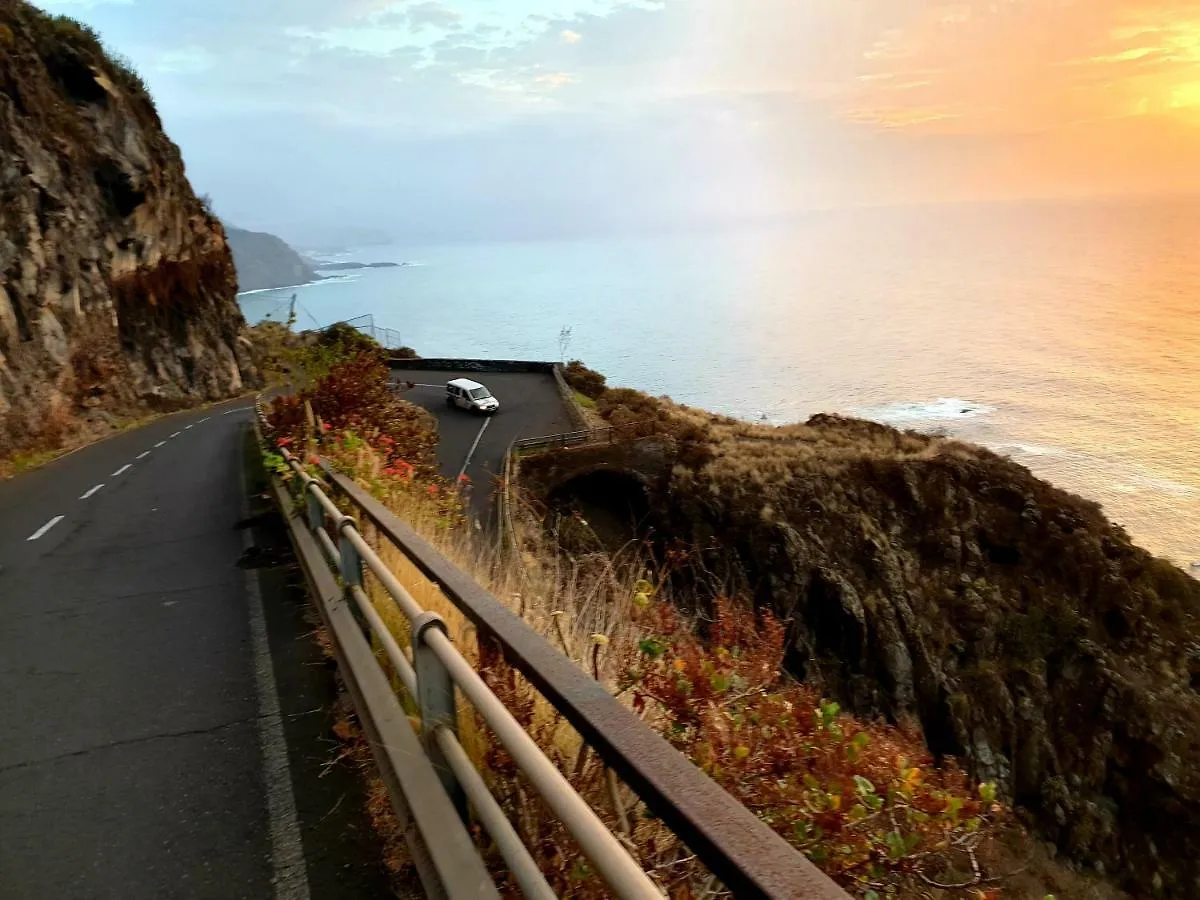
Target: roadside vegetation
863,800
53,34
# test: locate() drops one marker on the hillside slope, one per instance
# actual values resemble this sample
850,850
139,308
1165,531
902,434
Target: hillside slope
117,288
936,583
265,261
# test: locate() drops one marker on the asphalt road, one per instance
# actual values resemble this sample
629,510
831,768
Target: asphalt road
530,406
143,726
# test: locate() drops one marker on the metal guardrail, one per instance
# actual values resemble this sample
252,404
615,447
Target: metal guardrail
388,338
748,857
610,434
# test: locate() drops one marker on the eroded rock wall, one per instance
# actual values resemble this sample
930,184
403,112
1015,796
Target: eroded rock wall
117,288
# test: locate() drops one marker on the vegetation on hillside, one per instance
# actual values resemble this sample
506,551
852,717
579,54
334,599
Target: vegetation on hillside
59,39
932,581
862,799
346,386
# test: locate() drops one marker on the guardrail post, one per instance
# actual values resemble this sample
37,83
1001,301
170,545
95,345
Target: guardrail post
316,515
350,563
438,702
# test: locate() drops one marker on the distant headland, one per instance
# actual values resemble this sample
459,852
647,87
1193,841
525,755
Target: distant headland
265,262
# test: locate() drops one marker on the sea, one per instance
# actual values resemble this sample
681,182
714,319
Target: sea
1065,335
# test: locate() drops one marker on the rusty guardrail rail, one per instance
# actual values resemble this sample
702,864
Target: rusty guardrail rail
609,434
430,778
586,437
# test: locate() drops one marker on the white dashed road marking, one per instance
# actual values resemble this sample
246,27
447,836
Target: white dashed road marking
143,455
42,531
90,493
474,447
121,471
175,435
205,419
287,848
160,444
189,427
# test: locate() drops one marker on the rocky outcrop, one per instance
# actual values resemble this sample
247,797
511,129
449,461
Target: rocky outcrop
941,584
934,583
264,261
117,289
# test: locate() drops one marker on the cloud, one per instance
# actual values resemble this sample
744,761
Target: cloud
430,14
703,107
555,80
1024,64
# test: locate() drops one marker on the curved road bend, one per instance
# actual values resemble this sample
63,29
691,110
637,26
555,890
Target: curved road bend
530,406
143,750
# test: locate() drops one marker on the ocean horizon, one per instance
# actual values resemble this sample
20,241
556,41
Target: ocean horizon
1065,335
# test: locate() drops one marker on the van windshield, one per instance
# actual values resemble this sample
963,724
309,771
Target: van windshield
479,393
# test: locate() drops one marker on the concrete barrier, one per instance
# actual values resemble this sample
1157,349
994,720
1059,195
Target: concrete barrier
472,365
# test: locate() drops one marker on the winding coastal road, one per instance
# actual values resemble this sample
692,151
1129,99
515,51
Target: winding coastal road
143,749
165,716
530,406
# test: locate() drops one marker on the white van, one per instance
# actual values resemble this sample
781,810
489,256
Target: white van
467,394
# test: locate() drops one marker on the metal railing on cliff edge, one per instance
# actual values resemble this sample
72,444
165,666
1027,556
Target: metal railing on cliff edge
434,787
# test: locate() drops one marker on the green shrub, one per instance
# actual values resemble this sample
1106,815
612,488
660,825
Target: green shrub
354,396
863,800
585,381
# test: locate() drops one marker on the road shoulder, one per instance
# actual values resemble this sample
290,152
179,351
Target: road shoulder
345,854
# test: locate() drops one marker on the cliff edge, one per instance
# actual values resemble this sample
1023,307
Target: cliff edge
117,288
264,261
935,583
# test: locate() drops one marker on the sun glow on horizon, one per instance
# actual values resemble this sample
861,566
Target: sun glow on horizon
1058,95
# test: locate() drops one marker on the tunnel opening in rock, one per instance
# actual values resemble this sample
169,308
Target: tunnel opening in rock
603,509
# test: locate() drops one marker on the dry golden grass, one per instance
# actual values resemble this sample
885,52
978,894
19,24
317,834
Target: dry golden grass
584,606
581,606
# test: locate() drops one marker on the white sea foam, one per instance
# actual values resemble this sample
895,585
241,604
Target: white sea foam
332,279
1137,484
941,410
1034,450
289,287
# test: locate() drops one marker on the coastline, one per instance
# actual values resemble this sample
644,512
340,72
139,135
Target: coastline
282,287
333,279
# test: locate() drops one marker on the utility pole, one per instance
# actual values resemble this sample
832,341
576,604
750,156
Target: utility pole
292,313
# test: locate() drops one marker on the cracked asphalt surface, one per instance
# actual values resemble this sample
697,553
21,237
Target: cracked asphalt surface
131,760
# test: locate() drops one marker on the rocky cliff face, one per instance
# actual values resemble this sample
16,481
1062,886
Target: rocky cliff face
265,261
117,289
1027,636
936,583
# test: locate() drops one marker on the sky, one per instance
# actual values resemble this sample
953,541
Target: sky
482,119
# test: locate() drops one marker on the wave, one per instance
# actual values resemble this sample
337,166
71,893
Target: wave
940,410
1034,450
335,279
332,279
1137,484
286,287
